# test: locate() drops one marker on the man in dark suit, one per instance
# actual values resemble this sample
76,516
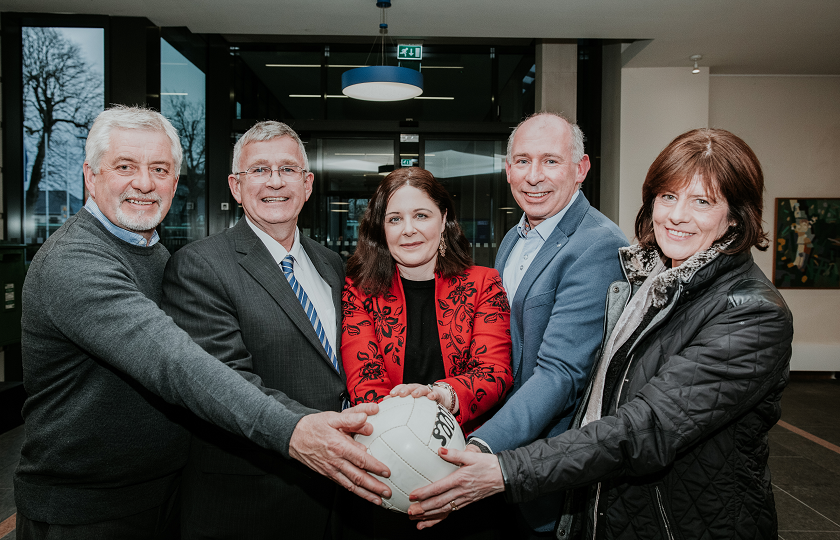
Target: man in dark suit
248,296
102,456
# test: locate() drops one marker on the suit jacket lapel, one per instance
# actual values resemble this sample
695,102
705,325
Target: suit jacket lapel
259,263
504,250
328,274
552,246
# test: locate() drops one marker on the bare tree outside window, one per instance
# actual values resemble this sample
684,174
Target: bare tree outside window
188,119
183,103
62,94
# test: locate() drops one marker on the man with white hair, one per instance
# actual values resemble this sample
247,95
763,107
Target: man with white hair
102,455
266,300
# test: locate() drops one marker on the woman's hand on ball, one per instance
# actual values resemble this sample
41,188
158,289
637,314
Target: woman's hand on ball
417,390
479,476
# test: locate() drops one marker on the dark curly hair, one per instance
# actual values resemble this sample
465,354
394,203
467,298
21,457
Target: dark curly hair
728,169
371,267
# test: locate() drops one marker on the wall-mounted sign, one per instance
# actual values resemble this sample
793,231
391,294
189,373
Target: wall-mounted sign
405,162
409,52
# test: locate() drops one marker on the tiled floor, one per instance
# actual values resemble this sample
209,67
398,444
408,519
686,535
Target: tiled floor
806,474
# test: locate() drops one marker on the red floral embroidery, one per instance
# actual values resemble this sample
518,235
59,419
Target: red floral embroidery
473,325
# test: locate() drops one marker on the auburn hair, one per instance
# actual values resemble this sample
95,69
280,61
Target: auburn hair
729,171
371,268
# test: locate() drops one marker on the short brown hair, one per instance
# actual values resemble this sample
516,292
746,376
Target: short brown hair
728,169
371,267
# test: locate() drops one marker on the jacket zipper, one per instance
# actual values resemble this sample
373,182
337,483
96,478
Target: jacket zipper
662,513
639,340
595,511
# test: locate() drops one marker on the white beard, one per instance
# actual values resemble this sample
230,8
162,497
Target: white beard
142,223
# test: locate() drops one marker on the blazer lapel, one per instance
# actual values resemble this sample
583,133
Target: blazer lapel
504,250
552,246
328,274
260,265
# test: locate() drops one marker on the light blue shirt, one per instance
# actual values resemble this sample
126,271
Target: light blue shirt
131,237
527,246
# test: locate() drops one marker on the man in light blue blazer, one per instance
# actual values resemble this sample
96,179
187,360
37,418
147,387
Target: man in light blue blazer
556,265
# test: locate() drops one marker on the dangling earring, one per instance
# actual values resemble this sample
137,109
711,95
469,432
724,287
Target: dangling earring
442,248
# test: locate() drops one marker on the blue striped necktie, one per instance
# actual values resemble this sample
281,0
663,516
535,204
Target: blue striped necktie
286,264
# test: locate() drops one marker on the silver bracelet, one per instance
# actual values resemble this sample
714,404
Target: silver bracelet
451,394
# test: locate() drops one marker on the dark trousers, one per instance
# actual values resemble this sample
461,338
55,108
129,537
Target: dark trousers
158,523
488,519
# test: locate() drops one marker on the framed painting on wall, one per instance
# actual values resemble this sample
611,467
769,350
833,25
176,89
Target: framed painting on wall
807,244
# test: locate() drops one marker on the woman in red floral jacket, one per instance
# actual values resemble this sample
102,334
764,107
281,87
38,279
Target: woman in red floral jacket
419,318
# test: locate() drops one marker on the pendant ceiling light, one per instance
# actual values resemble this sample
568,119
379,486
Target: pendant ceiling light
382,83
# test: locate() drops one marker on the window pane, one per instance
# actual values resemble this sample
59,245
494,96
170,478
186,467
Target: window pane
293,78
347,172
62,95
182,102
474,174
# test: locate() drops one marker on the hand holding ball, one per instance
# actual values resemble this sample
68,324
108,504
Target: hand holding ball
407,433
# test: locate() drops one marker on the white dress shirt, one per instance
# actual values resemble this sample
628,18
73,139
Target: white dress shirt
318,291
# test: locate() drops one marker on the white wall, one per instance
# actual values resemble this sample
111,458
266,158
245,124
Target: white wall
657,104
792,124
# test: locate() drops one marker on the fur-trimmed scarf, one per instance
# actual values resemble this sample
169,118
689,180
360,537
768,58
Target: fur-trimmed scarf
639,262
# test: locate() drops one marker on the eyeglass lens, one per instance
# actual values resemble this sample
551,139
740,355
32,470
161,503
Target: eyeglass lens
288,173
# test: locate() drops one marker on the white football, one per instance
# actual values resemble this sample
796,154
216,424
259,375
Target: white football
407,433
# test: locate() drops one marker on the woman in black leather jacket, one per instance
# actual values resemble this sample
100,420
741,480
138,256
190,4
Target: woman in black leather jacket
670,440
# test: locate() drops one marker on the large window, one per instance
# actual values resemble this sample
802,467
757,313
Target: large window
182,100
62,94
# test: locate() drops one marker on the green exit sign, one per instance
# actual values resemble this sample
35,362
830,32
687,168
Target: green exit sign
409,52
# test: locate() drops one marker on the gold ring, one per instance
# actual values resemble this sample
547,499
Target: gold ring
453,505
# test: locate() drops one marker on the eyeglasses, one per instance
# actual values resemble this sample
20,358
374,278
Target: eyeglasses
262,173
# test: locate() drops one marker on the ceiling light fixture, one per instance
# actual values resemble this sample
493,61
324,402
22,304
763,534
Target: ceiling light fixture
696,57
382,83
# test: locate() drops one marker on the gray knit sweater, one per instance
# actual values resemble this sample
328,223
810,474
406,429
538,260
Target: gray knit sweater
97,353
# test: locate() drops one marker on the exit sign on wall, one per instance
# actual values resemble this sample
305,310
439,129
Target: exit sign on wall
409,52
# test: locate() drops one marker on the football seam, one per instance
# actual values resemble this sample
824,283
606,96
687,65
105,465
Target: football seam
423,476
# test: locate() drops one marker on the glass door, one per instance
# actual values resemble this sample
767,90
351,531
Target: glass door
474,174
347,172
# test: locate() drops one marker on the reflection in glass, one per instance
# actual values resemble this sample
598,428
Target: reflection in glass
182,101
474,174
347,172
292,77
62,94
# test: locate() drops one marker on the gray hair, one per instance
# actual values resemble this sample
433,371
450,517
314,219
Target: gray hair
575,142
266,131
122,117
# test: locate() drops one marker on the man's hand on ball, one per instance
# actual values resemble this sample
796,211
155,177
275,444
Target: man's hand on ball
479,476
321,442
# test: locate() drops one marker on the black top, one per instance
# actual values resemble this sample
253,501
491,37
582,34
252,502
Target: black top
423,357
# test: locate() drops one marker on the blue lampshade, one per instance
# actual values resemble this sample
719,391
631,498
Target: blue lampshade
382,83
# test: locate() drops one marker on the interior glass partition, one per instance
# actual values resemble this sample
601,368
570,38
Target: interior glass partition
347,172
473,171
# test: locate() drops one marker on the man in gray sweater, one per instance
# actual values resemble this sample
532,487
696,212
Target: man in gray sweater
103,364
